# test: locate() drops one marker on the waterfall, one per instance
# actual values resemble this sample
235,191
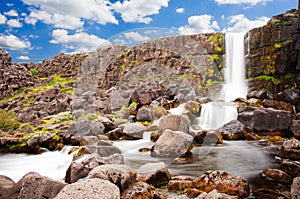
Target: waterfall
215,114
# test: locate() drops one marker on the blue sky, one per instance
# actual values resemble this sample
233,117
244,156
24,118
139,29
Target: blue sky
34,30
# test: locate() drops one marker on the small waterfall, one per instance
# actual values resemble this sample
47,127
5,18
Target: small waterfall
215,114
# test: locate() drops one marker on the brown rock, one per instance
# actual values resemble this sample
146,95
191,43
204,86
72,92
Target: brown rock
223,182
75,172
233,130
174,123
180,183
277,174
140,190
290,167
295,189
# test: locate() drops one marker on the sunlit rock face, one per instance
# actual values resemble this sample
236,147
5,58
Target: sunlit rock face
272,56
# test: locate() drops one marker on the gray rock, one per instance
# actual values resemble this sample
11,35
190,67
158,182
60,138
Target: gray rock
214,194
295,189
156,174
185,93
33,185
233,130
295,128
133,131
75,172
144,115
138,190
172,144
120,175
174,123
90,188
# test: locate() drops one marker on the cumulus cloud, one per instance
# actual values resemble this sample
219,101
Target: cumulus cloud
240,23
79,42
23,58
13,43
14,23
250,2
199,24
70,14
12,13
2,19
180,10
135,36
139,10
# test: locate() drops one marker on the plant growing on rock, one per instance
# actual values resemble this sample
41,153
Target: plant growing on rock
8,121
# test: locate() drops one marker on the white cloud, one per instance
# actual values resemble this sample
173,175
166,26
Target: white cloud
79,42
199,24
139,10
13,43
14,23
24,58
135,36
70,14
2,19
12,13
251,2
240,23
180,10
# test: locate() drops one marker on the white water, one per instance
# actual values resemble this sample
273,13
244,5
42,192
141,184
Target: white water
216,114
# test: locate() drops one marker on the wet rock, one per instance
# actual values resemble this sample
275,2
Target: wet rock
223,182
5,184
295,189
277,174
142,96
214,194
115,134
103,151
158,112
262,94
199,136
290,96
172,144
144,115
213,137
120,175
279,105
138,190
108,124
75,172
174,123
180,183
233,130
33,185
291,149
133,131
295,128
291,167
114,159
155,174
90,188
96,128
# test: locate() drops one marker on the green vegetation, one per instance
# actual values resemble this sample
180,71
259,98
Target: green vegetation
218,42
122,67
91,116
8,121
213,82
34,72
59,118
132,105
281,44
289,75
273,79
127,53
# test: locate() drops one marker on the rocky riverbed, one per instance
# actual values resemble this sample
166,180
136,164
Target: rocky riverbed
113,109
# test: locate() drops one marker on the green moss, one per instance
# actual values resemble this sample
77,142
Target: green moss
273,79
91,116
289,75
122,67
59,118
34,72
182,76
281,44
213,82
127,53
8,121
132,105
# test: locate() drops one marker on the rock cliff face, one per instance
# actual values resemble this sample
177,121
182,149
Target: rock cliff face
273,60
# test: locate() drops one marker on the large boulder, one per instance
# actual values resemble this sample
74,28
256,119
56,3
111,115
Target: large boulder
233,130
291,167
174,123
145,115
33,185
90,188
156,174
290,149
295,189
172,144
265,120
133,131
138,190
223,182
295,128
120,175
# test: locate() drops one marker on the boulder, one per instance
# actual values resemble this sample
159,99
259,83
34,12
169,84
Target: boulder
277,174
223,182
103,151
5,184
172,144
233,130
90,188
279,105
138,190
142,96
295,188
291,96
214,194
133,131
290,150
185,93
145,115
180,183
33,185
120,175
295,128
115,134
290,167
75,172
174,123
155,174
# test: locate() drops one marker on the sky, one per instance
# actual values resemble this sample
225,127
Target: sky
35,30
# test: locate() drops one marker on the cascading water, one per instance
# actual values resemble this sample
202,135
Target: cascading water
215,114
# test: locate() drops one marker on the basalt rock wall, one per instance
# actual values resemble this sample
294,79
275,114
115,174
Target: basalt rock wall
273,58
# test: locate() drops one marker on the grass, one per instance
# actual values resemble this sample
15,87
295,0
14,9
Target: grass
273,79
8,121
